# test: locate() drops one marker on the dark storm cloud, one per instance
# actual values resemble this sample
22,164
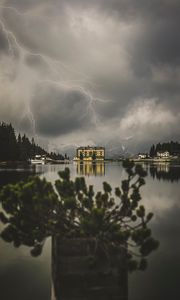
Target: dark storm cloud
4,47
160,22
159,41
27,4
157,45
37,63
132,9
128,10
58,110
119,59
162,44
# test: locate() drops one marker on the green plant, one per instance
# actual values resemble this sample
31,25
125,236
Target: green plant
34,210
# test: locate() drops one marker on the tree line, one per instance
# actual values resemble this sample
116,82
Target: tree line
20,148
172,147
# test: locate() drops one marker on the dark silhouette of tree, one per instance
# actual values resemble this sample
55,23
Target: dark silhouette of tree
56,156
20,148
8,143
172,147
152,151
33,210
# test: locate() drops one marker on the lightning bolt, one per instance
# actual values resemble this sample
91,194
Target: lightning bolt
52,63
11,51
91,100
57,67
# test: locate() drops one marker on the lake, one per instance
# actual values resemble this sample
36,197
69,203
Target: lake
25,278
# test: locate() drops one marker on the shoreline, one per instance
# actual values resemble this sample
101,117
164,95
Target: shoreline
146,160
28,163
157,160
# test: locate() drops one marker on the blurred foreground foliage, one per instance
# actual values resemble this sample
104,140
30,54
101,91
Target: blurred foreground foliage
34,209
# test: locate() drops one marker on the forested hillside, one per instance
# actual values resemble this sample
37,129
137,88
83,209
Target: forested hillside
19,147
172,147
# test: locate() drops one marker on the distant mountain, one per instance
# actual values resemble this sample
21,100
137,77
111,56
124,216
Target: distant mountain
113,149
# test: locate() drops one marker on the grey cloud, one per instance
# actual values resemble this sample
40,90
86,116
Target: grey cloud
158,44
3,42
10,112
130,9
25,4
118,51
59,111
164,43
149,121
38,64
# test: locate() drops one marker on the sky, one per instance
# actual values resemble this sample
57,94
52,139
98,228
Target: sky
99,72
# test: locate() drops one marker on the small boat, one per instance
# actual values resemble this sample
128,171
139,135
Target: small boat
38,160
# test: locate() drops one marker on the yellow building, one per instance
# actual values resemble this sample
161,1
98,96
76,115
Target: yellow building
90,153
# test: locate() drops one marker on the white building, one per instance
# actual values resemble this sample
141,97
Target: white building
142,155
164,154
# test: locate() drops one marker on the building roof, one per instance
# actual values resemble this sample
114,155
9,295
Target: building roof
90,148
161,152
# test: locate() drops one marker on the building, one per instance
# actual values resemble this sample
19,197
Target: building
142,155
164,154
90,153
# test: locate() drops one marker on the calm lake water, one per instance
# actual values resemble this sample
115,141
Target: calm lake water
25,278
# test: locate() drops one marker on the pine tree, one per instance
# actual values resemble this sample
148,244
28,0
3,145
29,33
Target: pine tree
152,151
172,147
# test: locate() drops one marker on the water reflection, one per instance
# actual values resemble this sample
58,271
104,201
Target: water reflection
165,171
90,168
30,278
93,255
